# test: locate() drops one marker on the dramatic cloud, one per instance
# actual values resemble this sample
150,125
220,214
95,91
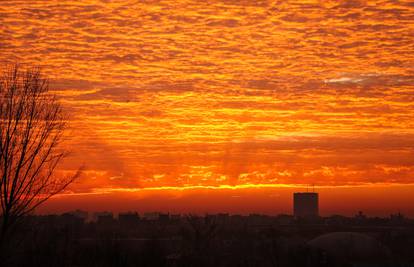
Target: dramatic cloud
214,93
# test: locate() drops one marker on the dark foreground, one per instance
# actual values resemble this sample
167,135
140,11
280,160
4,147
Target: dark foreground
215,240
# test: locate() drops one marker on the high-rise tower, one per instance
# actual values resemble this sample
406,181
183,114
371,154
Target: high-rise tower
306,205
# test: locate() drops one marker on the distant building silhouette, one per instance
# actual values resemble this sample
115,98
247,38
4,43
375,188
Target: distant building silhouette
104,217
175,217
152,216
128,218
306,205
80,214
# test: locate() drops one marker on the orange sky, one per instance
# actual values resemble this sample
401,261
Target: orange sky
250,95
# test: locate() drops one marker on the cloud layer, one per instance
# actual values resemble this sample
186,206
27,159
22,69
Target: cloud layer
188,93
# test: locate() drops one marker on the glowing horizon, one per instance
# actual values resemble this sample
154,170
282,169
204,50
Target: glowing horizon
310,188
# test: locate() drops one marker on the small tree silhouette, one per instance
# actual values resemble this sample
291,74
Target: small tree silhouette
31,127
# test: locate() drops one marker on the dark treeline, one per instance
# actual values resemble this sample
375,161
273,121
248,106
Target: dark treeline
212,240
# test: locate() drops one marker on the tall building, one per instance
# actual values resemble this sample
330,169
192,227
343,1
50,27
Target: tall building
306,205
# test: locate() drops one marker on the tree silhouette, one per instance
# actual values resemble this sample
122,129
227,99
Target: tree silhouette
31,128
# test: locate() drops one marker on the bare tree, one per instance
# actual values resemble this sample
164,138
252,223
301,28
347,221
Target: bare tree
31,129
